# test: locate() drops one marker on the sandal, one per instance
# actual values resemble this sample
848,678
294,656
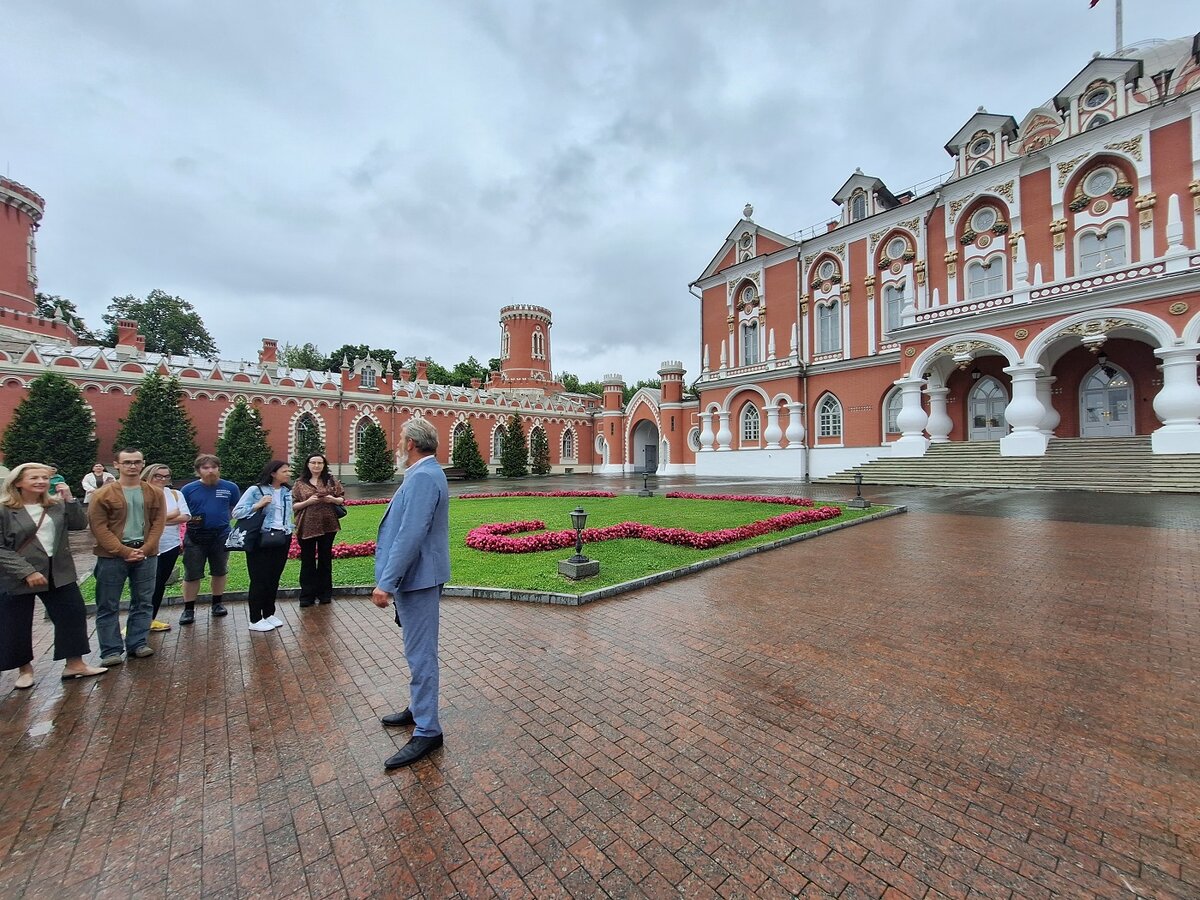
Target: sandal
24,681
88,673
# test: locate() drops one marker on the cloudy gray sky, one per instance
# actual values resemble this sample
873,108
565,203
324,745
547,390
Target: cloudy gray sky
392,172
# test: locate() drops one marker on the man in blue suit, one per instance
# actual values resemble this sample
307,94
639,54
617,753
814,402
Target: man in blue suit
412,562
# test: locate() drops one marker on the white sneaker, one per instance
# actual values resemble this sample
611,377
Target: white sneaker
274,620
262,625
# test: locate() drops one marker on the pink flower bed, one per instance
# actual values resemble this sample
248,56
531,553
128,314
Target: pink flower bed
537,494
494,537
751,498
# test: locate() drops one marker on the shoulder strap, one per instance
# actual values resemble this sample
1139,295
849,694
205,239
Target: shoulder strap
36,529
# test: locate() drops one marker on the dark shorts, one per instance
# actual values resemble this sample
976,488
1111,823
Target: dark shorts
200,547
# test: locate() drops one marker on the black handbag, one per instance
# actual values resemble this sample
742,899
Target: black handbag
340,510
271,538
245,532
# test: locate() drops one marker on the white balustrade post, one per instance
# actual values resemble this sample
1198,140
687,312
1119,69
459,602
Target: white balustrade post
706,432
1051,418
940,423
724,435
911,420
772,434
1177,404
795,426
1024,414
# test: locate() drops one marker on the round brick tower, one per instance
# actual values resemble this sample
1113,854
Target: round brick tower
525,349
20,212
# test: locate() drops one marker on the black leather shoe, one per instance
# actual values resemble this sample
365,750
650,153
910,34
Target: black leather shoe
219,610
326,600
404,717
187,617
306,602
415,749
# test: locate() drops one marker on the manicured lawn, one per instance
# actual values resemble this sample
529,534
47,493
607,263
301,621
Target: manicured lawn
620,560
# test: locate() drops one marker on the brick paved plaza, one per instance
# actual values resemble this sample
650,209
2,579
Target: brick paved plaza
992,695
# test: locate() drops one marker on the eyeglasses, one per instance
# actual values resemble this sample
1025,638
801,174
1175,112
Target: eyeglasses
162,474
132,462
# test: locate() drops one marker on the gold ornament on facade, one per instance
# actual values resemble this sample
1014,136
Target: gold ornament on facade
1096,327
1004,190
951,260
1021,333
875,236
1066,168
869,284
1133,147
1145,207
1178,309
910,352
910,225
1058,228
956,205
1194,187
1014,238
919,268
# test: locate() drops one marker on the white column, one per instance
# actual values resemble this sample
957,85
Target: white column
911,420
795,426
1178,403
940,423
772,434
1177,252
1024,415
706,432
1051,418
724,435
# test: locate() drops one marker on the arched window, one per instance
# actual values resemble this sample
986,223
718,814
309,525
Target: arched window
858,206
497,441
750,342
460,429
504,343
539,345
829,418
985,278
307,429
1102,251
367,376
751,424
891,412
568,444
829,327
893,303
360,431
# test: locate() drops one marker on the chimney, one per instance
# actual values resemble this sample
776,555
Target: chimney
475,383
269,354
404,375
422,365
128,338
831,225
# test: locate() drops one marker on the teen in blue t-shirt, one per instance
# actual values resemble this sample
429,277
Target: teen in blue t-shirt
211,499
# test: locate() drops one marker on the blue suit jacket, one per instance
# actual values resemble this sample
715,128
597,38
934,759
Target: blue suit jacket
412,551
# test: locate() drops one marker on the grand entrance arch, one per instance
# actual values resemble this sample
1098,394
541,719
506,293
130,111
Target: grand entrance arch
643,447
1105,403
985,410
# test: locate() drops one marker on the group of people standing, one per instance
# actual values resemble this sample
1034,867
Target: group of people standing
136,519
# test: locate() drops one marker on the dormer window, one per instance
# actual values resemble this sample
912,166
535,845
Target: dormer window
858,206
981,165
367,377
1097,98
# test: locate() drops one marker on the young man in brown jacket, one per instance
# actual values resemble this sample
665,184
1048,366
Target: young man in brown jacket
127,518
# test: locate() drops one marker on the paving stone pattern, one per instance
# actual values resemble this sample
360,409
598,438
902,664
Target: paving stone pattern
934,705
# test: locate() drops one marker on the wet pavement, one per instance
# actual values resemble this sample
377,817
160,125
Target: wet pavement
993,695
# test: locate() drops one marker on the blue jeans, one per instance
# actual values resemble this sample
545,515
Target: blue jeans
111,574
418,612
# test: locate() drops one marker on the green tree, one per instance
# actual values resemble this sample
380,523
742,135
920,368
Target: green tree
50,306
304,357
374,462
52,424
493,364
463,372
572,385
466,455
308,442
351,352
170,324
159,425
243,448
539,452
514,454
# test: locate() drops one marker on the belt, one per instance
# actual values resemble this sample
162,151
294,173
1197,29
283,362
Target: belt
133,545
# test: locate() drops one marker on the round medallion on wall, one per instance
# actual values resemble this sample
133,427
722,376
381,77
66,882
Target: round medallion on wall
827,269
983,241
826,285
910,351
1100,207
897,267
1021,333
1178,309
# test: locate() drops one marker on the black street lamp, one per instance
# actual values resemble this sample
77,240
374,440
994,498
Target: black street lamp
578,566
858,502
578,521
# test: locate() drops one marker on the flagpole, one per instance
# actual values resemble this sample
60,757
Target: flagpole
1120,26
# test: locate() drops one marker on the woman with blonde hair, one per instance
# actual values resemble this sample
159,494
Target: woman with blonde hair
169,545
35,561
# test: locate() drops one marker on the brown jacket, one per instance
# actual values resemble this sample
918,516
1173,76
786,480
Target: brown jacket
16,527
106,515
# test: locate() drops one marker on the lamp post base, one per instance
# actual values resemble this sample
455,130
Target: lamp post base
859,503
576,570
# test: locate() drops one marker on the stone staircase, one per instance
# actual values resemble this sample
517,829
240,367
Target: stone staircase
1124,465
